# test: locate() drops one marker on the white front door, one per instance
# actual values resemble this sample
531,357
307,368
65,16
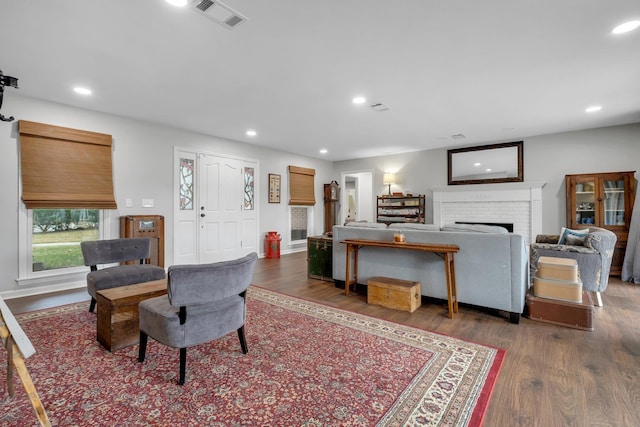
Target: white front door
223,222
220,208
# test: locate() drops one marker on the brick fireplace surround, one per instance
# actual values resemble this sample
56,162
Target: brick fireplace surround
517,203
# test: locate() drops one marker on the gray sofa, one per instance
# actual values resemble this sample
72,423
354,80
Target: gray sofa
492,266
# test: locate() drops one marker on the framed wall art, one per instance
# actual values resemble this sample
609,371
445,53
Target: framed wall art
274,188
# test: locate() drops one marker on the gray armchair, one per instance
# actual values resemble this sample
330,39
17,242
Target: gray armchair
594,257
204,302
102,252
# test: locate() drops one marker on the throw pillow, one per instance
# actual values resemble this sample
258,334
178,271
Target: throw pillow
572,237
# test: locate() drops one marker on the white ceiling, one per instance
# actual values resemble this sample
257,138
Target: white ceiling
493,70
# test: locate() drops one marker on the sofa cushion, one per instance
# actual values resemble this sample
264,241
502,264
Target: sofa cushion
365,224
572,237
411,226
475,228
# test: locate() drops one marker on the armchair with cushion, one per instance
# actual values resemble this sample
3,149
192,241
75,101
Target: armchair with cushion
104,252
592,250
204,302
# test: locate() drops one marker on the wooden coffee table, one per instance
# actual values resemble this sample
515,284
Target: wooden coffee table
118,325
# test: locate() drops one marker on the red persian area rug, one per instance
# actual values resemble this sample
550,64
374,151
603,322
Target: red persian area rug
308,365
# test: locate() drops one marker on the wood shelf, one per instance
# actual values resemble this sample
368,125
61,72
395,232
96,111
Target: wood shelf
400,209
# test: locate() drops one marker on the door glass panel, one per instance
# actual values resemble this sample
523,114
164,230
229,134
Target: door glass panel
614,202
585,202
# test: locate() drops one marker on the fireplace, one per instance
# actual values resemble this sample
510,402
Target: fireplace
507,225
516,203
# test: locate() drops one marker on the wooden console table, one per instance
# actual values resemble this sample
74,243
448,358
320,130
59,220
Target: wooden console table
444,251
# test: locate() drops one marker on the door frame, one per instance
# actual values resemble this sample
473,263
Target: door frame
365,195
178,152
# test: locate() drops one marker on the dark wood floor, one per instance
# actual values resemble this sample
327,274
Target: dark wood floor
552,375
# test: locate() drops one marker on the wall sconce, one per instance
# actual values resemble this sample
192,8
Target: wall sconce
388,179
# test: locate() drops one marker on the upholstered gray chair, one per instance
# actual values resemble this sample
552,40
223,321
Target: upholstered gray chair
593,256
101,252
204,302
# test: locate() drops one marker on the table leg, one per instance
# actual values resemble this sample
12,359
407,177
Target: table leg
355,266
452,297
454,290
347,277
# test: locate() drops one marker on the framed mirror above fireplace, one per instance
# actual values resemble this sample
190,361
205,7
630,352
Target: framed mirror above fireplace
486,164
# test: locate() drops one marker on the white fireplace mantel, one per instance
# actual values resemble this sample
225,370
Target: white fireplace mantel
519,203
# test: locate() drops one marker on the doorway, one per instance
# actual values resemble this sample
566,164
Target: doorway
357,201
216,210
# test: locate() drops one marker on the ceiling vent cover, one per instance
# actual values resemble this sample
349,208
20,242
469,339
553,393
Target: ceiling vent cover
379,106
219,12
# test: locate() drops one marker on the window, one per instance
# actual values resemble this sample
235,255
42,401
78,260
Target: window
54,256
56,237
67,188
301,223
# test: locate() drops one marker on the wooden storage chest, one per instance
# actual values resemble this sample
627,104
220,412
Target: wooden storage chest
573,315
320,257
394,293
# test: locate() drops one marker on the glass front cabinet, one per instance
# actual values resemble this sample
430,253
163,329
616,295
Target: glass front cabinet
602,200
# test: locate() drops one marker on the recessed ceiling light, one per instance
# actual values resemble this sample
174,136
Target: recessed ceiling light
593,108
82,90
626,27
324,151
178,3
477,164
251,132
488,170
359,100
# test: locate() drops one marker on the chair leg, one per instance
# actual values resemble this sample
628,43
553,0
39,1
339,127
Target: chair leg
142,349
598,299
243,341
92,305
183,365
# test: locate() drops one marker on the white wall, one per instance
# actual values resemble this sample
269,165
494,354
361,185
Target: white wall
547,158
142,168
143,152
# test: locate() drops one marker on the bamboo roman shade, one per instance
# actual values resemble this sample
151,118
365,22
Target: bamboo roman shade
301,188
65,168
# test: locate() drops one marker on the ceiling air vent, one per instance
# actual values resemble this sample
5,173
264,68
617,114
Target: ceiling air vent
219,12
379,106
458,136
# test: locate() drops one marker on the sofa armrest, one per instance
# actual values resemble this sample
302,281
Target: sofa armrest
601,241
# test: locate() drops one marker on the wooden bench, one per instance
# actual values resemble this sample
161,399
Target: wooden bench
118,320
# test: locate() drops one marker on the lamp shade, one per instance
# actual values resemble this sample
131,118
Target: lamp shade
389,178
